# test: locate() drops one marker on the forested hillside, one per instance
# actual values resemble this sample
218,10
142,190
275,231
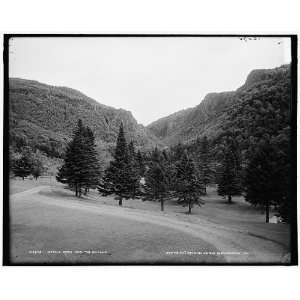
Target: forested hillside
209,117
43,117
187,125
261,111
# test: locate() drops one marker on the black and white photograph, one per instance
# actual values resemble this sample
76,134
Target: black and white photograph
150,149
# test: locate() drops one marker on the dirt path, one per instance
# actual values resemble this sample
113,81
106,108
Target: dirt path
129,235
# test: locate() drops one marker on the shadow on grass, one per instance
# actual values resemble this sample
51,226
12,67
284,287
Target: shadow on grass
63,192
225,202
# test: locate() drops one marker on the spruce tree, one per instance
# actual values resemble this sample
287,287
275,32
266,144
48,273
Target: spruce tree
92,172
263,180
72,168
140,164
229,181
204,162
80,169
170,171
131,151
120,177
155,180
188,184
133,169
176,152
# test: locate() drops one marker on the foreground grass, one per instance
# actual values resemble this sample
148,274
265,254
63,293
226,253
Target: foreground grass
52,218
62,229
238,216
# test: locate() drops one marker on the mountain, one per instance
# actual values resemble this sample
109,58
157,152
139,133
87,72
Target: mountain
186,125
261,112
44,117
208,118
166,127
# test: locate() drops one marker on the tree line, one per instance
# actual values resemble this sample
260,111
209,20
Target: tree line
180,172
26,163
156,176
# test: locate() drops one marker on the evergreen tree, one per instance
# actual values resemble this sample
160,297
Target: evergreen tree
263,180
92,172
285,174
155,180
170,171
176,152
133,169
204,162
229,180
120,177
81,168
140,164
131,151
70,171
188,184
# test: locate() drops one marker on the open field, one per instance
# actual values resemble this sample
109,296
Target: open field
46,219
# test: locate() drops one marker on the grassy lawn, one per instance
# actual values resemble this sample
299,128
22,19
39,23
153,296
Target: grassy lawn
240,215
52,218
17,185
45,228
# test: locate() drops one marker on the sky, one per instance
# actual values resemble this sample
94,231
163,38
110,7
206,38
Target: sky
151,77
